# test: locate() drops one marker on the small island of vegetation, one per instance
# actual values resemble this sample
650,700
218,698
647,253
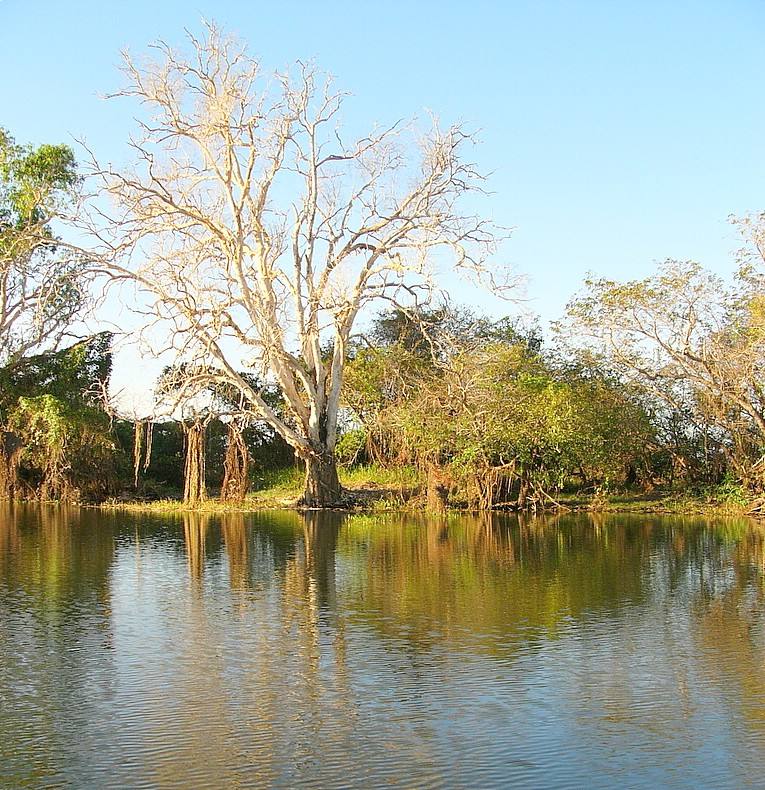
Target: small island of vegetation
296,280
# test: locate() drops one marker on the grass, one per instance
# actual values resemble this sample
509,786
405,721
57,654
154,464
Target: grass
369,476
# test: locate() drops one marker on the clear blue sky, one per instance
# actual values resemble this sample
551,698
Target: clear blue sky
619,133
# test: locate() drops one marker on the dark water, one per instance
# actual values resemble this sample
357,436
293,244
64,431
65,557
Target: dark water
277,650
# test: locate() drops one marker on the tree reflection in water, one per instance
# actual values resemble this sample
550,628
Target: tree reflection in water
195,527
271,648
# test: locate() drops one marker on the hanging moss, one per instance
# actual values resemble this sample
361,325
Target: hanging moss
236,466
194,488
138,431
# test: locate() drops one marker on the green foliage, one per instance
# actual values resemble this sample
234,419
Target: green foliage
42,285
46,421
500,420
696,347
52,402
351,447
286,481
729,492
78,372
67,446
33,182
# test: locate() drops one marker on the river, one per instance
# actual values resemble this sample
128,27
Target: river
331,650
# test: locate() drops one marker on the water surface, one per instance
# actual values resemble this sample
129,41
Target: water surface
354,651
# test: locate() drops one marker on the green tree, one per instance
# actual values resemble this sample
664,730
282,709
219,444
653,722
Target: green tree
54,405
42,283
43,290
485,416
695,343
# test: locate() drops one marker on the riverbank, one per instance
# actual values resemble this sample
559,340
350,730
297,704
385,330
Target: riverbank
372,489
663,503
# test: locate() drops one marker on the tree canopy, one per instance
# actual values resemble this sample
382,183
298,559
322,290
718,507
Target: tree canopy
42,285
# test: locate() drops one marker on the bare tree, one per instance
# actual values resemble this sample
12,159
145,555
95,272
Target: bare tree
260,234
